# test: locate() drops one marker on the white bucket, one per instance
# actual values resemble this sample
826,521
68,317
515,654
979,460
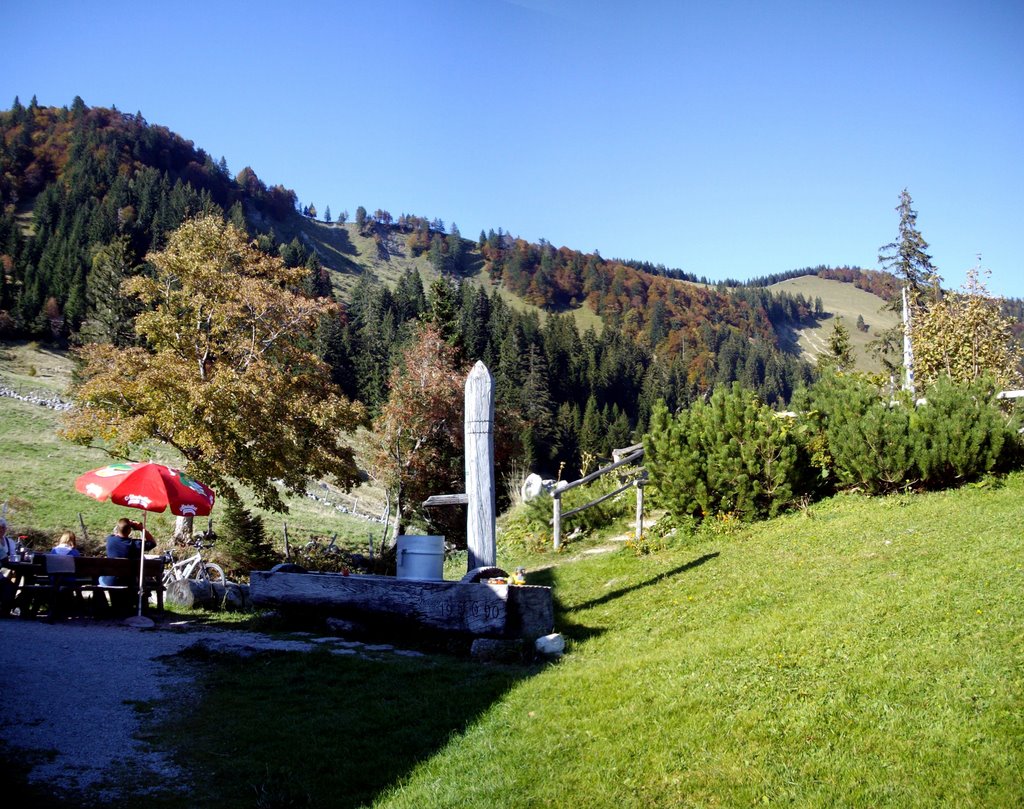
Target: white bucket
421,557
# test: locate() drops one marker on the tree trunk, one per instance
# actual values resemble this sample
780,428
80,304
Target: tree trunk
396,530
182,531
191,593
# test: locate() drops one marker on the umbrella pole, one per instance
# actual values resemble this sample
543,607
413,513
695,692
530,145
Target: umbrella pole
139,620
142,562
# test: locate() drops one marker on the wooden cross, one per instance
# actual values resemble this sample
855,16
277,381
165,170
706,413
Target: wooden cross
479,447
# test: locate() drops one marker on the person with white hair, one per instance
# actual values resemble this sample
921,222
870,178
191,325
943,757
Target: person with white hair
8,546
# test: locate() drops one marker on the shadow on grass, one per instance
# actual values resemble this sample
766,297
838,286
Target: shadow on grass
789,332
611,596
316,729
563,623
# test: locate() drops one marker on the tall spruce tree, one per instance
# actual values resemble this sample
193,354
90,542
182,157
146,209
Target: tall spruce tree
109,313
907,257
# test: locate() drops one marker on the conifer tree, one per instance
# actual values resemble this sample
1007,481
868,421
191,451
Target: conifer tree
840,352
444,310
593,436
109,313
907,257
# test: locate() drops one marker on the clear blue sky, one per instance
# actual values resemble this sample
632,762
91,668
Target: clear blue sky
728,139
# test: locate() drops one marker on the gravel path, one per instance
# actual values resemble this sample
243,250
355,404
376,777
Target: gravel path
84,678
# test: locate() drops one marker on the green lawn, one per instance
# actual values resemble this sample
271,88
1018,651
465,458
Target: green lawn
865,652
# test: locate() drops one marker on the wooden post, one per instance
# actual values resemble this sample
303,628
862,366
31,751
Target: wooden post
287,550
479,443
639,510
556,519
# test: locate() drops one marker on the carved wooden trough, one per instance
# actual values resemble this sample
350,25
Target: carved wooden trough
465,607
470,608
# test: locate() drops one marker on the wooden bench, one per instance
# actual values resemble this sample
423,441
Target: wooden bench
57,580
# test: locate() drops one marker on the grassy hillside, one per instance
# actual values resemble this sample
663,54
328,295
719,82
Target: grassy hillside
38,472
861,653
844,302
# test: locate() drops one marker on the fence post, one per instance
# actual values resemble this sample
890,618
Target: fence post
479,445
287,550
556,519
639,510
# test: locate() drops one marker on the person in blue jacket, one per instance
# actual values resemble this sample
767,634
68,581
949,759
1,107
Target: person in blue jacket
120,545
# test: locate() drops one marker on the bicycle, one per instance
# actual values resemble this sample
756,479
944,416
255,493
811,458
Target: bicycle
194,567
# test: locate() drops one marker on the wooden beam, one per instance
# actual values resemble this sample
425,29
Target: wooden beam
618,454
601,499
603,471
446,500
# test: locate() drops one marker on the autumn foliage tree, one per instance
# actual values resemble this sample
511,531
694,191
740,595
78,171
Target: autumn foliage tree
965,337
418,436
223,371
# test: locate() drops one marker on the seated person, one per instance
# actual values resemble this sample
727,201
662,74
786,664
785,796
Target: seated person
120,545
8,546
66,545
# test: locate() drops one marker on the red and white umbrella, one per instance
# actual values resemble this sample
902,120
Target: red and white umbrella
149,487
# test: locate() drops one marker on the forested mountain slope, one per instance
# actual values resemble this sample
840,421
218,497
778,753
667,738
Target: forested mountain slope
580,345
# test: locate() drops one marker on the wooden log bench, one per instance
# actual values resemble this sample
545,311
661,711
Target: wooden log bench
469,608
58,588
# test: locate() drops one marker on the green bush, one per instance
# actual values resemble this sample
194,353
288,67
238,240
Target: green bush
731,455
954,434
527,525
866,437
959,433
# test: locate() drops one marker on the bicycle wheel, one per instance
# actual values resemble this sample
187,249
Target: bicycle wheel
215,573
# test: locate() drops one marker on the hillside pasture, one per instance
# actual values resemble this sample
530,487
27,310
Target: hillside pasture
347,254
844,303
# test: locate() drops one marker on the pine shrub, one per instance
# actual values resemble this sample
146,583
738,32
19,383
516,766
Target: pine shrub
955,433
867,436
242,541
959,433
731,455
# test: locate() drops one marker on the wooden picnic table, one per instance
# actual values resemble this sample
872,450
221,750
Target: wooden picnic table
35,584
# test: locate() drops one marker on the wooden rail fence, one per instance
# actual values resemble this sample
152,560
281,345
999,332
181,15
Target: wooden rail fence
623,457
